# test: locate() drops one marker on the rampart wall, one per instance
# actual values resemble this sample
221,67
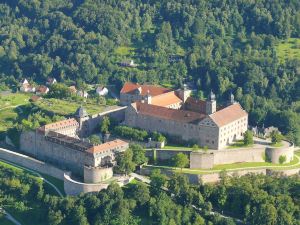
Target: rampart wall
273,154
97,174
73,187
163,155
31,163
215,177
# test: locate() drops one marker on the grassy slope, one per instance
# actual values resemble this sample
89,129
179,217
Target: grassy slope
64,107
34,214
58,183
8,112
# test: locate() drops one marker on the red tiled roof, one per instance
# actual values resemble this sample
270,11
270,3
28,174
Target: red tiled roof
195,105
35,98
153,90
228,114
59,124
169,114
107,146
166,99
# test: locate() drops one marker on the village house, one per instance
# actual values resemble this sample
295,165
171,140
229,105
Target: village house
51,81
128,64
42,90
101,91
26,87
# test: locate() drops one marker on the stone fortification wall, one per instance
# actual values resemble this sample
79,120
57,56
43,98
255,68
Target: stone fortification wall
27,143
31,163
73,187
92,122
97,174
35,144
201,160
239,155
273,154
164,155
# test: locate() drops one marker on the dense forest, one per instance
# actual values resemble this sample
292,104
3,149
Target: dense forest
222,45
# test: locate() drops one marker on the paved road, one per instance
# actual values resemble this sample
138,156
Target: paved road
10,217
39,175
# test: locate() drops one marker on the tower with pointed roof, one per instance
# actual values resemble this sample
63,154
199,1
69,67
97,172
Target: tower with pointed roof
211,104
82,117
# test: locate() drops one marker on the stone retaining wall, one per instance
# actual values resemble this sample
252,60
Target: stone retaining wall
97,174
31,163
274,154
215,177
163,155
73,187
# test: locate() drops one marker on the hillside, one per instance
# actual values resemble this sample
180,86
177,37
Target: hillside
238,46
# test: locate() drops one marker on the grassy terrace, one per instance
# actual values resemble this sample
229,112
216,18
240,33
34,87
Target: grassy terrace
288,49
277,145
65,107
237,166
13,100
175,147
239,144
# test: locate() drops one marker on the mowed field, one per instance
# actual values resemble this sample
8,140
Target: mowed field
288,49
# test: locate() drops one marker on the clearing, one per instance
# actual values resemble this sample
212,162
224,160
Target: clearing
288,49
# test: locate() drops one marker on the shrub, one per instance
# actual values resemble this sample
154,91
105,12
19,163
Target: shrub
131,133
276,137
282,159
248,138
158,137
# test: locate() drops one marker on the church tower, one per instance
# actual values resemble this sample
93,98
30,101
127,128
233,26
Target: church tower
211,104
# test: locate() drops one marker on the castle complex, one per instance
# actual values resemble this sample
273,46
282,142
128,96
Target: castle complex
177,114
59,143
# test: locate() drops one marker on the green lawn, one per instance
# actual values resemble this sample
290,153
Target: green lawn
253,164
64,107
7,118
175,147
288,49
125,51
13,99
238,144
291,165
8,111
277,145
